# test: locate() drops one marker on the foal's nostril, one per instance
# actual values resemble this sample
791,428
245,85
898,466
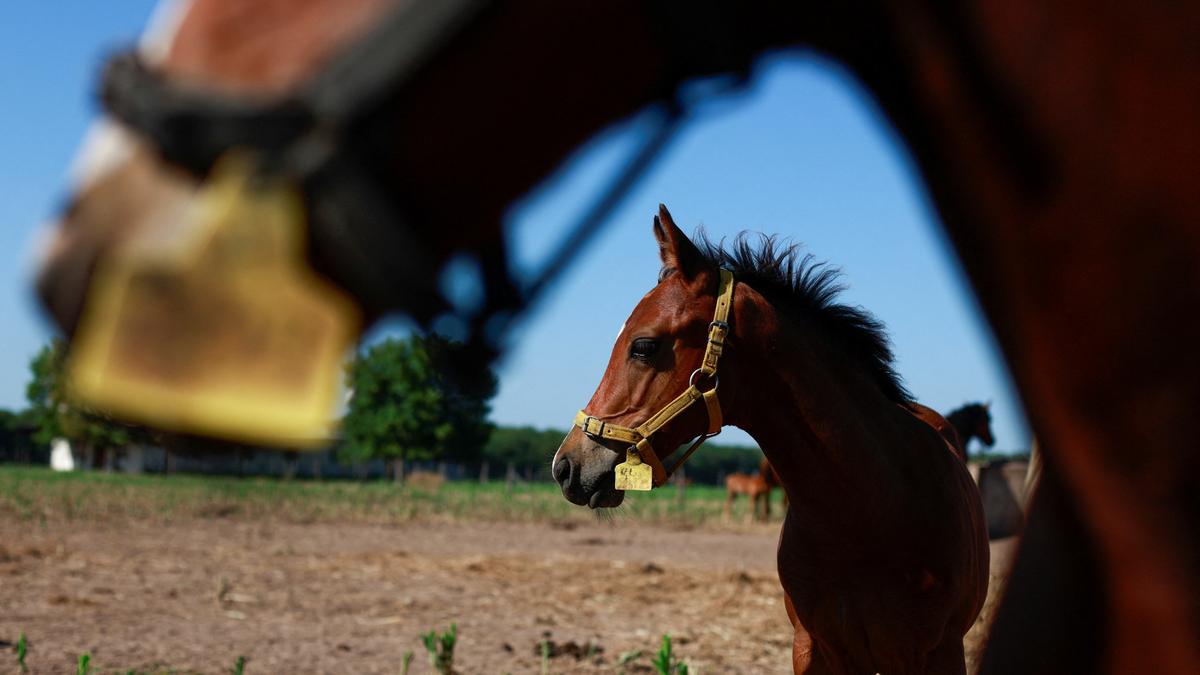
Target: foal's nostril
561,471
567,475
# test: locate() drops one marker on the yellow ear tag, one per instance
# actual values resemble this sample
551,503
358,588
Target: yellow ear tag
224,331
633,473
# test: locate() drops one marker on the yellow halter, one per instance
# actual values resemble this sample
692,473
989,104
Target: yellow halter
638,437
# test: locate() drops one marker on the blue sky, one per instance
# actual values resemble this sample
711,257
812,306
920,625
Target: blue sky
803,153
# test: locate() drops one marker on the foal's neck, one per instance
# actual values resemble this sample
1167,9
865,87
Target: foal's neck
820,418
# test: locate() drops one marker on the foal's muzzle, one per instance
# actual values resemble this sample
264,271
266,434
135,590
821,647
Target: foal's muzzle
585,475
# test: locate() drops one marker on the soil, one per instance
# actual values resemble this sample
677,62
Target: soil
321,598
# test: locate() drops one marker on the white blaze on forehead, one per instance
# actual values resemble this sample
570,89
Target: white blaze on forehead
626,322
161,30
622,331
107,145
38,249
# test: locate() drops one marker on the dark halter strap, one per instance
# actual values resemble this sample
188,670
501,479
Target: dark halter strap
193,126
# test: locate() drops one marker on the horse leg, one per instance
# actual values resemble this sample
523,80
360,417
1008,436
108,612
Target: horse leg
807,659
729,495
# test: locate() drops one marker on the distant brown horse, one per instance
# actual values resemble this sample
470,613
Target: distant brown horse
753,486
883,555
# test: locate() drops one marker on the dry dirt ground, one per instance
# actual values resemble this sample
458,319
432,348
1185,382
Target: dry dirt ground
322,598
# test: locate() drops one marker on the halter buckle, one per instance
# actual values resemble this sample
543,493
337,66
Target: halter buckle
723,325
587,422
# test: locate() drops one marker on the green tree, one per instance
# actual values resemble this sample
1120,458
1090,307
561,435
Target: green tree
16,436
523,447
467,387
415,399
530,448
56,414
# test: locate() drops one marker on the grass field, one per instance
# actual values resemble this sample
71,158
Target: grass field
185,574
34,494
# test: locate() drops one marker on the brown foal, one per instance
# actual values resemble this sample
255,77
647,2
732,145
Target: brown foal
883,555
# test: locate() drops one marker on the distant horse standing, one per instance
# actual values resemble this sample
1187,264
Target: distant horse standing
753,486
883,555
973,420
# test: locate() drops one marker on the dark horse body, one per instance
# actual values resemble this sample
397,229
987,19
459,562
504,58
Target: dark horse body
772,481
883,554
973,420
1059,144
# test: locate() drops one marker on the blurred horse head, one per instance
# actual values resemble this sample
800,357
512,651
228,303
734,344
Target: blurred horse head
123,186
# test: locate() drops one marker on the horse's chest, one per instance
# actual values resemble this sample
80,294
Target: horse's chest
869,603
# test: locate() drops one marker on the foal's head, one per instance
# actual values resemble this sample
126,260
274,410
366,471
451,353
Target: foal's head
659,347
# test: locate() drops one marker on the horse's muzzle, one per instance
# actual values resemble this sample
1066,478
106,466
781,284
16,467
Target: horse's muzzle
583,484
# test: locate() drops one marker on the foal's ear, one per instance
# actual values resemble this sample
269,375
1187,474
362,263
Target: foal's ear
678,253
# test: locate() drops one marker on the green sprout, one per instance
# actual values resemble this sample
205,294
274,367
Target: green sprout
664,662
545,646
441,649
625,658
22,650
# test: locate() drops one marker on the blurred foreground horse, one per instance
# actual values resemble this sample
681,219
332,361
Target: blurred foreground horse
1058,141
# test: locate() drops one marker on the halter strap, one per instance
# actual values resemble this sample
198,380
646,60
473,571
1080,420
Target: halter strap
639,437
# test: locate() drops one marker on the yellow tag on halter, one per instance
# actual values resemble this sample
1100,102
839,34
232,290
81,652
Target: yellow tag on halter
633,473
223,330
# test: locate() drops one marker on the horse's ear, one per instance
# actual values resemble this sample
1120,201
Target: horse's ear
678,253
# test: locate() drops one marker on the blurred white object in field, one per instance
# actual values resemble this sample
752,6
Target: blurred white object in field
61,458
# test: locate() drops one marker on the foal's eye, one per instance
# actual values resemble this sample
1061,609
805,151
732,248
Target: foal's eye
643,348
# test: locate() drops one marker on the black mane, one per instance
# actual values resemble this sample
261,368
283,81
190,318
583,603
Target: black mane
790,278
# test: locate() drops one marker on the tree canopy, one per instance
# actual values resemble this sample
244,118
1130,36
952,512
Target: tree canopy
533,448
414,400
55,413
